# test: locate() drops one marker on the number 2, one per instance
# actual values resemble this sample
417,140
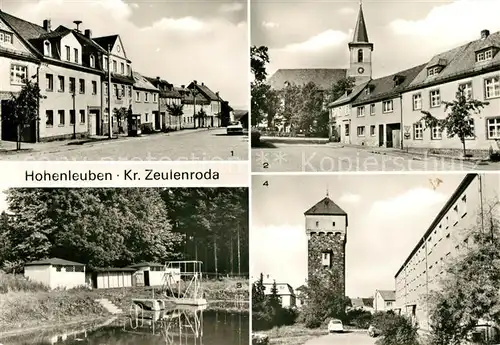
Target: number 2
265,165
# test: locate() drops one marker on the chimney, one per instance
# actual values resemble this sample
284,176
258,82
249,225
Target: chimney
195,82
202,84
77,23
158,78
46,25
485,34
182,86
88,33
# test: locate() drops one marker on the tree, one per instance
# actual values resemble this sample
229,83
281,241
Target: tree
121,114
259,57
459,120
22,110
176,110
340,88
201,115
469,289
258,296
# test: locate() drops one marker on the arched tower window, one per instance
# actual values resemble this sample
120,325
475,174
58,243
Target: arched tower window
360,55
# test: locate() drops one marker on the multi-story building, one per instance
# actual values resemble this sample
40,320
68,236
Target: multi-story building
214,114
443,240
122,82
193,102
285,294
68,75
146,102
169,96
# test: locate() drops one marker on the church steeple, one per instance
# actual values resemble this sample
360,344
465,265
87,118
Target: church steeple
360,51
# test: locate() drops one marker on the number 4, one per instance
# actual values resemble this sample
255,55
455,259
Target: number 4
266,183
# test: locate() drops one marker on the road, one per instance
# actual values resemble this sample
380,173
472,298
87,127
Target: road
186,145
325,158
350,338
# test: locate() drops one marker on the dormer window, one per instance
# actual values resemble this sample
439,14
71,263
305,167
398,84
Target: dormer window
92,61
6,37
47,49
433,71
484,55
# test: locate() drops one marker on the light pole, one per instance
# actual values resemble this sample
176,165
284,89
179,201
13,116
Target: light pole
74,110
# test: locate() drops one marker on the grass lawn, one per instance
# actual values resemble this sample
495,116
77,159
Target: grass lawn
296,334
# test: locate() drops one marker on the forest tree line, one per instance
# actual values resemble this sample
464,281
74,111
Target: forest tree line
116,227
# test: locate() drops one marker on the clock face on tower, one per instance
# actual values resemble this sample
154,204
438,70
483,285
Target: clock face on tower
361,70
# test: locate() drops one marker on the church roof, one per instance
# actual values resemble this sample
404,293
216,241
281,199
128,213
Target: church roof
360,33
326,207
324,78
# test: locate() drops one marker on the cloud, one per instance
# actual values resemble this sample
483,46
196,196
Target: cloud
320,41
270,25
350,198
177,24
231,7
347,10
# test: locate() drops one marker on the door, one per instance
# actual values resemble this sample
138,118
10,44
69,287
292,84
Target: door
92,123
346,133
396,138
157,120
146,278
381,135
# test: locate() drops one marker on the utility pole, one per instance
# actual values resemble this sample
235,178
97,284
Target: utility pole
194,106
110,117
74,110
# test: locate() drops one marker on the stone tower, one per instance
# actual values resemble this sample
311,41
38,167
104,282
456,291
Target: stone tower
360,52
326,228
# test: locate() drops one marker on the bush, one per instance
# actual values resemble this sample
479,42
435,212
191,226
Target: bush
358,318
17,282
255,138
147,128
396,329
495,156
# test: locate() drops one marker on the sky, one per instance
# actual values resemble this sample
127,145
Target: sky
180,41
315,33
387,215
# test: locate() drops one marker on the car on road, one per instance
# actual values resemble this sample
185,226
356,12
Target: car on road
335,326
374,331
234,128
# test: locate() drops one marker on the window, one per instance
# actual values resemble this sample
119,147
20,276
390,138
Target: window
61,83
435,98
137,96
436,133
72,82
68,53
75,51
92,61
61,117
387,106
492,87
49,115
106,89
361,131
333,224
94,87
361,111
155,97
5,37
130,91
115,90
71,117
128,69
18,74
417,101
372,109
82,85
147,117
47,49
433,71
114,66
326,259
484,55
418,131
367,91
360,55
122,68
106,63
146,96
58,268
372,130
82,116
467,89
123,91
50,82
494,128
346,129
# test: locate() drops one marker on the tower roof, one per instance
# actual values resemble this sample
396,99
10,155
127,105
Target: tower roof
326,207
360,33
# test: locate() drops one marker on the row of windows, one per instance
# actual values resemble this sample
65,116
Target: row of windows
59,268
436,133
61,117
114,66
49,86
387,107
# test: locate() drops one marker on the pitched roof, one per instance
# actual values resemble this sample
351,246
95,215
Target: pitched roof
53,261
22,27
459,61
238,114
205,90
360,33
324,78
362,302
87,41
123,79
368,302
146,264
142,83
325,207
189,99
347,98
104,41
387,295
385,87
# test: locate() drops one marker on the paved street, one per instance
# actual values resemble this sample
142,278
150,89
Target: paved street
186,145
350,338
326,158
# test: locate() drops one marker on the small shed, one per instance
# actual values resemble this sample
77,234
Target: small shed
113,277
56,273
153,274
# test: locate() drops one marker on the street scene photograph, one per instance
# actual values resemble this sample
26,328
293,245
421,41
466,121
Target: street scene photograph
121,80
386,259
375,86
124,266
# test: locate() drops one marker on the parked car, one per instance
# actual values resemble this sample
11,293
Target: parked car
335,326
234,128
260,339
373,331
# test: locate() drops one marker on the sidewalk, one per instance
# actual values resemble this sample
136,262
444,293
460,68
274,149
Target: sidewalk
9,147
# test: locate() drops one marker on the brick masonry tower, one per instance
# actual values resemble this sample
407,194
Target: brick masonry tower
326,228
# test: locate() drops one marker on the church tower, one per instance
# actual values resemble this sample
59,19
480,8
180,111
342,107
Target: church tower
360,50
326,228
